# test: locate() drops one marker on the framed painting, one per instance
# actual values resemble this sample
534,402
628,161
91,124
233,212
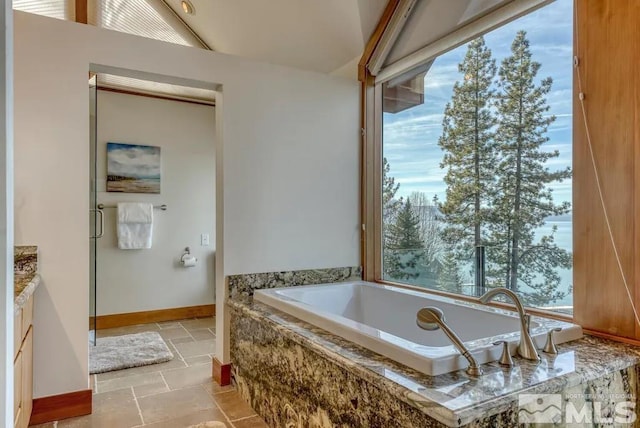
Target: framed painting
133,168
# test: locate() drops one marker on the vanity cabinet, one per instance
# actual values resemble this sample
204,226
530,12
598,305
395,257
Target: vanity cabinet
23,365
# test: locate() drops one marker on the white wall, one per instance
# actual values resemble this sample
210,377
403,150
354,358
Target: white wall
287,149
6,214
143,280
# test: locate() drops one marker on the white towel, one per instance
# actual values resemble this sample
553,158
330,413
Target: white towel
135,225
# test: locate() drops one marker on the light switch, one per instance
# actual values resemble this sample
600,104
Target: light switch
204,239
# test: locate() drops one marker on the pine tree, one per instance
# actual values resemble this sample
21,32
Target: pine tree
404,249
450,278
390,204
524,199
469,155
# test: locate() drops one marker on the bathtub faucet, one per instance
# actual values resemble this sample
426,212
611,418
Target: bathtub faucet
526,347
432,318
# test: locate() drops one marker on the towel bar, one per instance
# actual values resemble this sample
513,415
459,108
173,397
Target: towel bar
162,207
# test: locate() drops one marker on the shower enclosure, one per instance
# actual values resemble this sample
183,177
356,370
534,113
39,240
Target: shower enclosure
96,216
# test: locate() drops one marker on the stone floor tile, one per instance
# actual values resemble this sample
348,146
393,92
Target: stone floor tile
214,388
110,409
129,381
174,333
174,404
213,414
192,349
199,323
188,376
150,389
185,339
233,405
197,360
202,334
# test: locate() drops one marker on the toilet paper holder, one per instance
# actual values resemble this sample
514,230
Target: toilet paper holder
187,260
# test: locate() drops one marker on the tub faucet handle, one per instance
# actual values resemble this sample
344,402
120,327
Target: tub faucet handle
550,346
505,358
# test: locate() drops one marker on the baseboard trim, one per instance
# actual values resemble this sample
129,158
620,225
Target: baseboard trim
63,406
221,372
133,318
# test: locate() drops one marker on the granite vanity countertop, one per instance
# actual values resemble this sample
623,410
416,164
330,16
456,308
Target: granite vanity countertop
24,285
26,278
455,399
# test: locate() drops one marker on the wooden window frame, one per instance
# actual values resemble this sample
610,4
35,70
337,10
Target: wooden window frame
601,24
371,177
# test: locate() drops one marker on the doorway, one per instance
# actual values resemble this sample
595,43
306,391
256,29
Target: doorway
152,143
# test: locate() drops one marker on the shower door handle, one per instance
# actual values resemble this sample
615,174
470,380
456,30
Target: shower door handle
101,234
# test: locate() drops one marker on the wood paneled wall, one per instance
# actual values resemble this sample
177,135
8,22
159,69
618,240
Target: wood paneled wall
607,43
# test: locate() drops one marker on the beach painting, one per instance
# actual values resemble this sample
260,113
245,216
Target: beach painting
132,168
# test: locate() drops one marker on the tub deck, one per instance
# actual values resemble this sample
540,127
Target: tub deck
294,372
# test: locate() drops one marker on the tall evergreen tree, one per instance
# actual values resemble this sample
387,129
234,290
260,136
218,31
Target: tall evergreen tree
469,158
390,207
524,199
449,278
404,248
390,204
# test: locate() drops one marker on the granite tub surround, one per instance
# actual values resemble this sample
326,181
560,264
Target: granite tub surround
26,278
245,284
295,374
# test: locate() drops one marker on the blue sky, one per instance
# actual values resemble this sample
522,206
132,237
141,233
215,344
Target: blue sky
410,138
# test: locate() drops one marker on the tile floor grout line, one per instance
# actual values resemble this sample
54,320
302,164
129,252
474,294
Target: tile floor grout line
244,417
215,404
137,405
189,333
176,349
223,392
165,381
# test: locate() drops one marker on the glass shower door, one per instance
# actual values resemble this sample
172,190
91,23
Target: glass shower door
96,225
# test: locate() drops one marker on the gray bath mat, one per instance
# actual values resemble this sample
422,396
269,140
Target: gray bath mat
131,350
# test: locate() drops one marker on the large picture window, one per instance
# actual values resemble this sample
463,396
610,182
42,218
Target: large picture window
477,149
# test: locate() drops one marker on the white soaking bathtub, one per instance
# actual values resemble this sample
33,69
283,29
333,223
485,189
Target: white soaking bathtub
382,318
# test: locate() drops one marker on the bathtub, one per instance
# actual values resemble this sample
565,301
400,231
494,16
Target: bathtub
382,318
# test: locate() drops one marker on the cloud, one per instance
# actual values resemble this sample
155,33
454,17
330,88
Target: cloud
133,160
411,137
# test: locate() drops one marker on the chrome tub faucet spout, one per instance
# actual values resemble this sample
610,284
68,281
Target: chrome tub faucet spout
526,347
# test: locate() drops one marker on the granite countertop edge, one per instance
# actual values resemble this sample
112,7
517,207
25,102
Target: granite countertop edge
363,362
27,284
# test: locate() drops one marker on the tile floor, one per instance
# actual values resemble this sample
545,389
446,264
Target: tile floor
175,394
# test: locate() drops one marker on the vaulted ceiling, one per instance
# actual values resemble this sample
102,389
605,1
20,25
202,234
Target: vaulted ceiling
319,35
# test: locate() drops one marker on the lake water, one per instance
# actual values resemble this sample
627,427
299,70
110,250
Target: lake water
564,240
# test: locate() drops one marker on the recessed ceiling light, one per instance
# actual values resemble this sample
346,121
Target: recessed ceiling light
187,7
